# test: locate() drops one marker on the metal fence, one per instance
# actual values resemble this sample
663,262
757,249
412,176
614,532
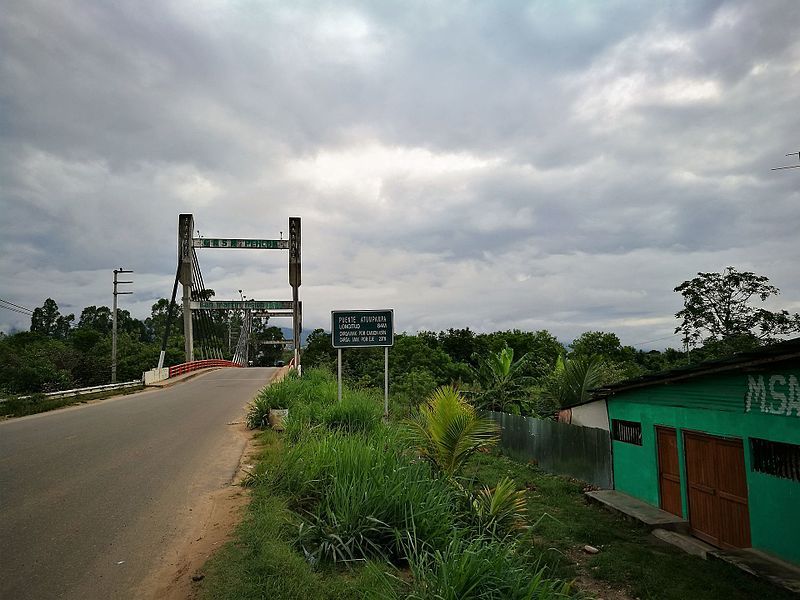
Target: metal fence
86,390
580,452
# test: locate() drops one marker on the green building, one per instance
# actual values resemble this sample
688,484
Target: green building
717,444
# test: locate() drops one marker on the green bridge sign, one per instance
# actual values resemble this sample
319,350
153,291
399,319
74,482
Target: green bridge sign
240,243
362,328
242,305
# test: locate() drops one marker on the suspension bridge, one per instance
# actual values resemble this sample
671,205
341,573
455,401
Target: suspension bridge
205,321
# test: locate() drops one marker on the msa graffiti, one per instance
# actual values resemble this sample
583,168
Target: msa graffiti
773,394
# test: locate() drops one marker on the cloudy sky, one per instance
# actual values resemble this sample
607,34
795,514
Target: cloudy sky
544,164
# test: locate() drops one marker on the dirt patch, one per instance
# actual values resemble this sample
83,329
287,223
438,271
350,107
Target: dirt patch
211,524
587,584
599,589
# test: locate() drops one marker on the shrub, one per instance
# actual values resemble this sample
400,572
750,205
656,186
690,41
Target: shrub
466,569
276,395
447,431
359,411
361,494
501,509
315,389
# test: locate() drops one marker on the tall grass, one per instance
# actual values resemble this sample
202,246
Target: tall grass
312,400
359,495
467,569
360,491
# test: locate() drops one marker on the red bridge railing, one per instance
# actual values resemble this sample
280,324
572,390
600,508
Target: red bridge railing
188,367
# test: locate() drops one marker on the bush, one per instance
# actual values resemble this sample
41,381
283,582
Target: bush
359,411
447,431
466,569
361,495
309,393
277,395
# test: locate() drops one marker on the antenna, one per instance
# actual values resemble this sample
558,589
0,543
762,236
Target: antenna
797,166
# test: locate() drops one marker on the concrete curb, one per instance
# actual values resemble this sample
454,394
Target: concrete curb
180,378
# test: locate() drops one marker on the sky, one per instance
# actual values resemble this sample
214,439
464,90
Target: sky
556,165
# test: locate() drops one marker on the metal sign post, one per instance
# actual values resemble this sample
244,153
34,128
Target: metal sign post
364,329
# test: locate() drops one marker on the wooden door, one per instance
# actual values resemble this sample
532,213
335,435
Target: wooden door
717,486
669,475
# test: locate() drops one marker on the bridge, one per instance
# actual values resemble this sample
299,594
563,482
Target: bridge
204,345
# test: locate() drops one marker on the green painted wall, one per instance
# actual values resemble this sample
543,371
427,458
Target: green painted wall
764,405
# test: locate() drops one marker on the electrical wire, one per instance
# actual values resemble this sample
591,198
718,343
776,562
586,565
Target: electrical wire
15,307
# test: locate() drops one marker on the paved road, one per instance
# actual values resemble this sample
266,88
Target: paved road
91,497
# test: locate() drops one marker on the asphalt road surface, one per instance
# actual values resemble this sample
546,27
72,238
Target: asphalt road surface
92,496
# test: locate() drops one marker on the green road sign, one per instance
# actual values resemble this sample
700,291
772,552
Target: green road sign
241,305
240,243
362,328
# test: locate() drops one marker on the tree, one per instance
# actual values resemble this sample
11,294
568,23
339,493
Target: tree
572,379
460,344
719,307
268,354
502,381
318,351
447,431
97,318
543,347
47,320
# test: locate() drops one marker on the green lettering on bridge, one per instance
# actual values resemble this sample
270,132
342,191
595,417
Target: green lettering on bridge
241,305
240,243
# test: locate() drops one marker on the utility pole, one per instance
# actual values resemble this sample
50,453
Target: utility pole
114,322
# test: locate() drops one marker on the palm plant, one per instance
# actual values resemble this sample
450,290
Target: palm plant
572,379
502,380
503,507
447,431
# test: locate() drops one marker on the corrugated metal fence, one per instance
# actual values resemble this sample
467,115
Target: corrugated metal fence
580,452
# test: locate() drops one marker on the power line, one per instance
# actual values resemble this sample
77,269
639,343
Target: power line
16,310
788,166
655,340
15,305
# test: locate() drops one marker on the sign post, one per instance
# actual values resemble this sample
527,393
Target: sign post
364,329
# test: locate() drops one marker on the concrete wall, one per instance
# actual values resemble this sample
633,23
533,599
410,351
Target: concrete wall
736,405
155,375
593,414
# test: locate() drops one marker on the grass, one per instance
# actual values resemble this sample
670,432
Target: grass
343,508
263,562
39,403
630,559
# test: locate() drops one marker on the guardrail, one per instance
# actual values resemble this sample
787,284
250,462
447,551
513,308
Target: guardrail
86,390
199,364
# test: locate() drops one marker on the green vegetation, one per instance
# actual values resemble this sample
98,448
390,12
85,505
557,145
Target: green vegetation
502,382
718,307
447,431
631,561
342,512
16,406
58,353
354,512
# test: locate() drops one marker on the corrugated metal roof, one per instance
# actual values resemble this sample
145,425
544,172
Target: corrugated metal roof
779,352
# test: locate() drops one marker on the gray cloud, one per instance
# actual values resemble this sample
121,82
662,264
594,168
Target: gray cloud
533,165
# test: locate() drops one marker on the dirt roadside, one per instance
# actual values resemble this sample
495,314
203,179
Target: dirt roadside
212,522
